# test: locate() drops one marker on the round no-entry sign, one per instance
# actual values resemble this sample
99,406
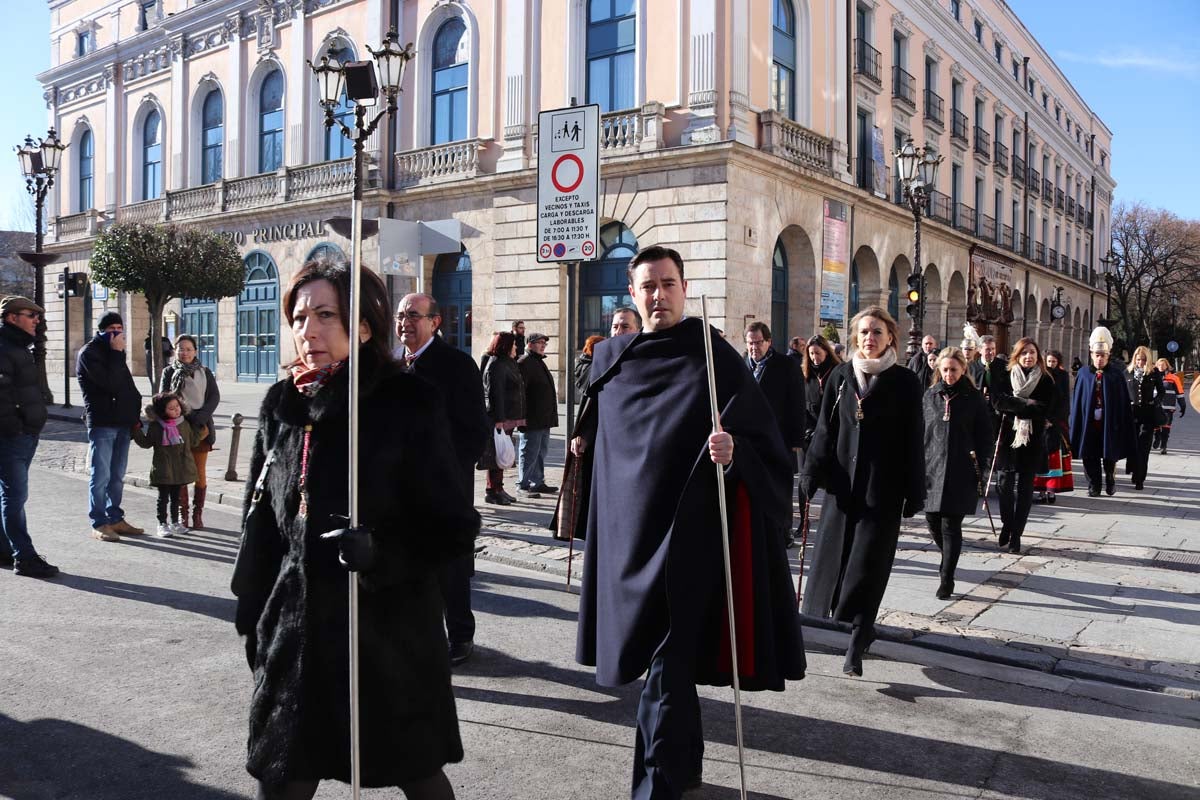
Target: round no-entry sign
562,178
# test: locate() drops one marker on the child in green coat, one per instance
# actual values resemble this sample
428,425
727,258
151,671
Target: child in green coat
173,468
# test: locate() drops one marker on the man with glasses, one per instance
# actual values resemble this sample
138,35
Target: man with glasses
22,417
453,372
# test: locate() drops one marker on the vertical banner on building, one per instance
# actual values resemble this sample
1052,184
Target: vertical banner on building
989,297
835,256
568,185
879,164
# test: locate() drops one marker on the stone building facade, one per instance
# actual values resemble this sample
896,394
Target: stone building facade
748,137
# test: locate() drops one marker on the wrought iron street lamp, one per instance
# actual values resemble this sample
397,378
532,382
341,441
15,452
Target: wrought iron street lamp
363,87
1108,260
917,168
39,164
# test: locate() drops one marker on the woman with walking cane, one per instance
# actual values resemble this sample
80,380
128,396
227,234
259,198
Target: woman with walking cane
290,576
868,453
958,438
1021,451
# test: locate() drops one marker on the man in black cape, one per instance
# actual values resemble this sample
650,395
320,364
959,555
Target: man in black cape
653,597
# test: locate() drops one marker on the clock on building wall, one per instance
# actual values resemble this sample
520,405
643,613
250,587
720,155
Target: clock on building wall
1058,310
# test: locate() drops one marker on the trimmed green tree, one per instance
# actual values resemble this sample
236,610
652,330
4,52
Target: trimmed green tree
831,333
165,262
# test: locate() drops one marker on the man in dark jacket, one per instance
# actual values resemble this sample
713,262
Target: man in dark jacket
919,363
112,404
781,380
541,414
22,417
456,377
994,370
653,527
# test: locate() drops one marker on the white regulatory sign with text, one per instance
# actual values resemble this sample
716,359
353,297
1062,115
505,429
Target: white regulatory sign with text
568,194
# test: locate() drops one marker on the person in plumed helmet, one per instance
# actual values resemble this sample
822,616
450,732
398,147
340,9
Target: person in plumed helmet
1102,429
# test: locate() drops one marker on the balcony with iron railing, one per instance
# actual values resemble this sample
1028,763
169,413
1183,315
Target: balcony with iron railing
1024,248
1074,268
1035,182
866,61
1059,199
1047,191
904,87
1018,169
964,218
983,144
987,227
958,128
1000,153
1091,220
1039,252
935,108
1071,207
1052,258
1006,237
939,207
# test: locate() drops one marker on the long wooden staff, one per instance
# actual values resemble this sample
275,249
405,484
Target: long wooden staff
803,546
733,648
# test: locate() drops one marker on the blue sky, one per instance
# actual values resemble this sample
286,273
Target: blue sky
1136,64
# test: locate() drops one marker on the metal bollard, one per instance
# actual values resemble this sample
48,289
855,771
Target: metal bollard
234,437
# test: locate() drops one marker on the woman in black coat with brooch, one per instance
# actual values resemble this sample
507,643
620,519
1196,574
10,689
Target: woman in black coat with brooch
1145,384
958,440
868,453
1023,410
291,574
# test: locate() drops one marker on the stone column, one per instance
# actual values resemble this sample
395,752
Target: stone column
300,82
702,87
233,98
741,119
177,130
114,141
516,128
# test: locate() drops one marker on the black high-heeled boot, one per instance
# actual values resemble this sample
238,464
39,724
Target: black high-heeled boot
860,639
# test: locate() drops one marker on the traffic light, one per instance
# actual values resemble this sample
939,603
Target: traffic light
915,285
72,284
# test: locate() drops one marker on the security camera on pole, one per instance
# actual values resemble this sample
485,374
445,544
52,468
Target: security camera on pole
917,168
363,89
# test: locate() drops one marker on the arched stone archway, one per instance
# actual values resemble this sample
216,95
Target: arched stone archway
956,308
1044,321
865,282
801,283
935,307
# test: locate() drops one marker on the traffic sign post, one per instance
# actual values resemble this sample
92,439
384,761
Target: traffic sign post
568,188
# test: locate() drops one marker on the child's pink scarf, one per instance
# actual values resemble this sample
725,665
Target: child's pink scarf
171,434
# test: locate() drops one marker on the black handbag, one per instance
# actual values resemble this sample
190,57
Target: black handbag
257,563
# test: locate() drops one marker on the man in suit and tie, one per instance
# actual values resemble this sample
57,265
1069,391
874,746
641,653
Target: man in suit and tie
455,375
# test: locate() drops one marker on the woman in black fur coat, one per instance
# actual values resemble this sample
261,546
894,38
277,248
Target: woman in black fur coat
291,575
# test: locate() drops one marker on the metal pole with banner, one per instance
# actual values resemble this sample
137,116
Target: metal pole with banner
568,210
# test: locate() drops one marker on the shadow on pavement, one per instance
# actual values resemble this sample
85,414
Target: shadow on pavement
183,546
221,608
52,758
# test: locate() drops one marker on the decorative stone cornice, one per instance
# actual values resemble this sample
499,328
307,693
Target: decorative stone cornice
1001,109
147,63
933,51
957,71
981,91
901,23
91,85
212,38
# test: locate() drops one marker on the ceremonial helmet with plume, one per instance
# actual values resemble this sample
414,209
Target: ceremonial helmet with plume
970,340
1101,341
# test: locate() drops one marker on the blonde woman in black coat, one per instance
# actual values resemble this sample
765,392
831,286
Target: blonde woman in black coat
958,440
868,453
1023,407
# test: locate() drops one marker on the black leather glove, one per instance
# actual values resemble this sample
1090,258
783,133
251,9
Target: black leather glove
356,548
911,508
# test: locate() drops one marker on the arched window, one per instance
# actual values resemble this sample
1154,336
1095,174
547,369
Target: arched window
212,138
783,59
152,156
894,294
452,290
326,251
87,167
451,61
603,284
337,145
270,123
611,42
779,292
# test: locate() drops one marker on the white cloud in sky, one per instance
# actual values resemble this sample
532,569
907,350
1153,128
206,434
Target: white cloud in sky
1176,63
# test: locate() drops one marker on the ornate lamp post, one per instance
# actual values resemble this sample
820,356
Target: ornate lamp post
364,87
917,168
39,163
1109,260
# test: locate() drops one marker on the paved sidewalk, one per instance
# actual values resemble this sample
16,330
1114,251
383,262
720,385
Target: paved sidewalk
1108,590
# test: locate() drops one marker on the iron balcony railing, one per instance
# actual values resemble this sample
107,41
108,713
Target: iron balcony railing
1091,220
987,227
1024,246
935,108
1058,199
1035,182
958,129
1001,158
964,218
1071,207
1052,258
983,143
1074,268
1018,169
866,61
939,207
904,87
1006,237
1047,190
1039,252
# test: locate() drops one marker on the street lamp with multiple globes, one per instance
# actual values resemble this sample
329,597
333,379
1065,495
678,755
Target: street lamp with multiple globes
363,86
39,164
917,168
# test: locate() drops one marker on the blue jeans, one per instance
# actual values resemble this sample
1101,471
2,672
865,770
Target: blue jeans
108,456
531,462
16,454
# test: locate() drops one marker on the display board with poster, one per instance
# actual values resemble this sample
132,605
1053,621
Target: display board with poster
989,295
835,256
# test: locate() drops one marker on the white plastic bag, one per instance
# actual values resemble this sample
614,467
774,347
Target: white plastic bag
506,454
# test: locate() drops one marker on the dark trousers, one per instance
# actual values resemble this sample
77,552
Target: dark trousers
455,579
1091,467
168,495
435,787
946,530
669,748
1016,498
1139,461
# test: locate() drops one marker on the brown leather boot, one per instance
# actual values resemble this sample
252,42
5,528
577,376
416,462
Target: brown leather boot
183,504
198,507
